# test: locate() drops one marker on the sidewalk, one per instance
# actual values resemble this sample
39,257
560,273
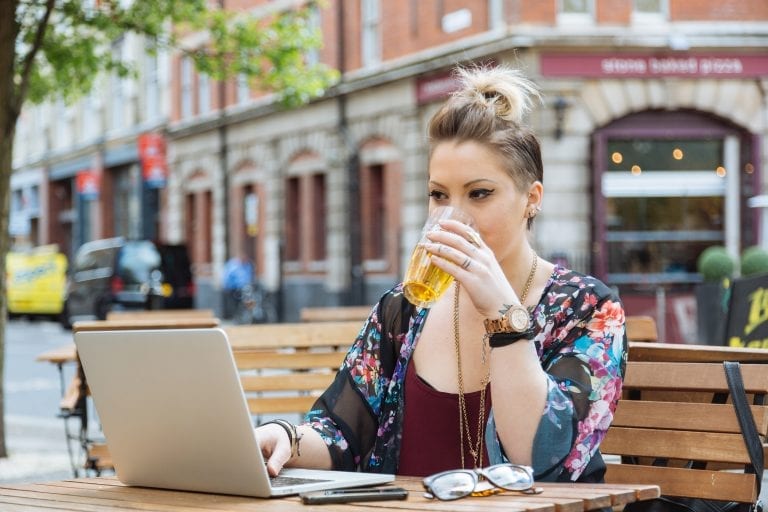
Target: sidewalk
37,450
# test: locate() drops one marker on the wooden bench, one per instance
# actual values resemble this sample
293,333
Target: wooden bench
159,313
646,429
335,313
285,367
641,328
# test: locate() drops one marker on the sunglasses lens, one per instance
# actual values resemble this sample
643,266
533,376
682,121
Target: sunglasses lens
513,478
452,486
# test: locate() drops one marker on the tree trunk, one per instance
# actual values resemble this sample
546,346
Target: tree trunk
9,109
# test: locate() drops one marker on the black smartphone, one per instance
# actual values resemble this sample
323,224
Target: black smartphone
350,495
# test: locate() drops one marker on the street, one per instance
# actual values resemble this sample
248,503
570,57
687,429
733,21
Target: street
35,436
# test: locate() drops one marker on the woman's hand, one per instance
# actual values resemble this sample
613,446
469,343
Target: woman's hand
275,447
459,250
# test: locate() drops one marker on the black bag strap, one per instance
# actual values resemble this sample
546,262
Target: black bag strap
746,421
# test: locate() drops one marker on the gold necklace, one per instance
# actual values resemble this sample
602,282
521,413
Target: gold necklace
477,449
529,281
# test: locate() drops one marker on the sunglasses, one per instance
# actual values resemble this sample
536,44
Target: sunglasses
458,483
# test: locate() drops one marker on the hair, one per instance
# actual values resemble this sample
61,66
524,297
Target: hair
488,108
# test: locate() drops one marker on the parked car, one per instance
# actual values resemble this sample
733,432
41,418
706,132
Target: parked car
121,274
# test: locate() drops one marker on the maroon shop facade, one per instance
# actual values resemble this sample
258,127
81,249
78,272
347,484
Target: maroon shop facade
676,152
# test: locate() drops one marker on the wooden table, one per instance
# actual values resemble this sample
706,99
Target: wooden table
680,353
106,493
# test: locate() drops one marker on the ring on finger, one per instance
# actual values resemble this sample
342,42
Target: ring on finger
467,263
474,238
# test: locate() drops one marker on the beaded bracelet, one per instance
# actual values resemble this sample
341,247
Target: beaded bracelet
293,435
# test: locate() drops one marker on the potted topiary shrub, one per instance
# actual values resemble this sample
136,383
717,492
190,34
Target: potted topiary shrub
754,261
716,266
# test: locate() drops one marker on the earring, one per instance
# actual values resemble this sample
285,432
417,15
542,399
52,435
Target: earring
533,211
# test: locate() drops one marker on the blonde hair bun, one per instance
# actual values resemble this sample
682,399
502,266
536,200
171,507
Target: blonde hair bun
501,88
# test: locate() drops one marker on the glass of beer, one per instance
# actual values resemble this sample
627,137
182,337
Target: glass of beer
424,283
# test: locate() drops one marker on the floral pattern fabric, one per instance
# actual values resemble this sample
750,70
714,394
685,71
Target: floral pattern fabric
579,336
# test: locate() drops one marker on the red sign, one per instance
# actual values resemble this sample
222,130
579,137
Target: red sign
154,166
88,183
620,65
435,87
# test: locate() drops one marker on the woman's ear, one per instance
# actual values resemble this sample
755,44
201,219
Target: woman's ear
535,197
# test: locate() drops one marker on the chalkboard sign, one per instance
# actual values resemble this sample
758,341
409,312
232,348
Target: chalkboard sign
747,322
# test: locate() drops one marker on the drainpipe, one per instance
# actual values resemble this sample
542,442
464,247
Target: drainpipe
223,155
356,292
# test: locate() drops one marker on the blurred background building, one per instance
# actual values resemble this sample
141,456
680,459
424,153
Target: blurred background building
653,127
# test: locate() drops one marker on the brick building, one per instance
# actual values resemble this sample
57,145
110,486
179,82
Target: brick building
652,127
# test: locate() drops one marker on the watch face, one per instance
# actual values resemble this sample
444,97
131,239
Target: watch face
519,319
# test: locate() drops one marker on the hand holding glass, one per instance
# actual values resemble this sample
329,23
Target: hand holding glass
424,283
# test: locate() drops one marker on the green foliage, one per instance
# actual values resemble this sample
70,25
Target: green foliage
77,45
715,264
754,260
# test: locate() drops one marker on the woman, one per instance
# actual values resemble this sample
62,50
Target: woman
464,383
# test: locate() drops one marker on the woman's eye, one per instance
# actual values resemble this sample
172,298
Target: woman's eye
480,193
436,194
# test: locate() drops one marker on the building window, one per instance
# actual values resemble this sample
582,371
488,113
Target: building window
207,221
665,203
373,205
243,90
186,88
371,32
573,12
650,11
190,227
151,84
292,219
117,91
313,56
203,94
318,217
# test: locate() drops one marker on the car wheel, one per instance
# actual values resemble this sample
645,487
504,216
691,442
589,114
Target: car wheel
64,319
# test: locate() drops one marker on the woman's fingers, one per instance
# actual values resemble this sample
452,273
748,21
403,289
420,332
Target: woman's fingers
275,447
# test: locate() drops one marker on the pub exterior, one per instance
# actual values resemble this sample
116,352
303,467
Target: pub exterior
652,125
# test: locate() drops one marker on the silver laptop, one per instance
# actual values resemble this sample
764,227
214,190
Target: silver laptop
174,415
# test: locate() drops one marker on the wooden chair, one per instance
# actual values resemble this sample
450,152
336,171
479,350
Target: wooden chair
285,367
334,313
698,438
641,328
160,313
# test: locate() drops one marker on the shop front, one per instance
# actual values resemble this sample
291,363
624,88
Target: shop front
675,156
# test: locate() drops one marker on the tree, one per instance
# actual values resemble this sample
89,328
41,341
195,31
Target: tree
57,48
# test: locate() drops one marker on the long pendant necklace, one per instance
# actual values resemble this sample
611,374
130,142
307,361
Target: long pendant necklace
476,449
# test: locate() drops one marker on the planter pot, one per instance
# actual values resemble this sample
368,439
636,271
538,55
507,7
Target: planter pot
710,314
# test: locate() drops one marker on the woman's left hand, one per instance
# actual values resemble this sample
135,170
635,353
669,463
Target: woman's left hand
459,250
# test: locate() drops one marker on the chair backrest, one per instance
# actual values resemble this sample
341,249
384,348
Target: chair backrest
663,418
334,313
285,367
151,314
641,328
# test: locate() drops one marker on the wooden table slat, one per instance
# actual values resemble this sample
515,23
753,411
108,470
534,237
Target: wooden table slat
107,493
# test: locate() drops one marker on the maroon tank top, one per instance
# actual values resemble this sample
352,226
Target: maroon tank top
430,441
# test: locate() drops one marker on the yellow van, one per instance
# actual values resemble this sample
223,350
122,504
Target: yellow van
36,281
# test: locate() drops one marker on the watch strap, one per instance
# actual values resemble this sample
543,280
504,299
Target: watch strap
502,339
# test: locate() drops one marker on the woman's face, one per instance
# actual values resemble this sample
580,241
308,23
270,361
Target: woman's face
468,176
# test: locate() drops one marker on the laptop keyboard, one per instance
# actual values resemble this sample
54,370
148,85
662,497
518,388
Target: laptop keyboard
284,481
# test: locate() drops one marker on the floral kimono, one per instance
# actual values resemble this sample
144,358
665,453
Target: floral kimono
579,336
